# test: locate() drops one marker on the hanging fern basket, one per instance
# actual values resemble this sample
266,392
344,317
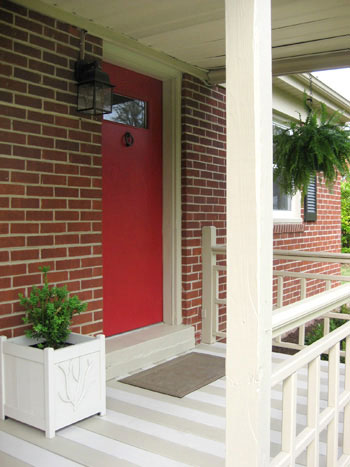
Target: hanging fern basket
318,144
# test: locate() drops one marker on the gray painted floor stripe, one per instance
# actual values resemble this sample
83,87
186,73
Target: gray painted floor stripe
9,461
171,421
88,456
153,444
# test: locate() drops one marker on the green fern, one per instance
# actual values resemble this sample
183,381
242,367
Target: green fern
318,144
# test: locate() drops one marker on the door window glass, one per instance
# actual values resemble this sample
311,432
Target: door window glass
128,111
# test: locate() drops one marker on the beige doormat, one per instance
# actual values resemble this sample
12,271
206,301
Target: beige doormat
180,376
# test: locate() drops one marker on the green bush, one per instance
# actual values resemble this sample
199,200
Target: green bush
49,311
316,332
345,216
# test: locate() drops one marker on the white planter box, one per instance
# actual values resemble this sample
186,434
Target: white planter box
50,389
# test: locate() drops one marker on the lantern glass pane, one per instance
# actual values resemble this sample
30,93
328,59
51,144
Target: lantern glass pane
103,98
85,97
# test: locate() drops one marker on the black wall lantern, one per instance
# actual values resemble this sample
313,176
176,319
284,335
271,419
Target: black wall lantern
94,87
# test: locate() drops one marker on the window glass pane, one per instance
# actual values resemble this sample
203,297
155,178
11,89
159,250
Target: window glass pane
128,111
281,201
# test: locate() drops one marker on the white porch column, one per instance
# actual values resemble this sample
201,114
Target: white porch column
249,231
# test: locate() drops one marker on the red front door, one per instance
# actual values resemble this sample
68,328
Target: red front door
132,203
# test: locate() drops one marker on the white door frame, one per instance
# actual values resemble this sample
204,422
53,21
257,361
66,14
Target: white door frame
171,78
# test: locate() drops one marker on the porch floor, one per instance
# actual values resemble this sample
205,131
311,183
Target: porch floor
145,428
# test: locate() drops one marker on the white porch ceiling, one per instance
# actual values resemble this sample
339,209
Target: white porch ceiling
306,35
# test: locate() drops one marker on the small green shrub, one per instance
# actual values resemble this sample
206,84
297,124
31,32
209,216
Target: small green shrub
316,332
345,216
49,311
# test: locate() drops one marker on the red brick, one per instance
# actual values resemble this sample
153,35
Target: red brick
66,192
26,280
53,180
23,255
5,149
56,107
41,141
4,176
25,203
26,50
10,189
24,177
66,239
40,116
79,159
79,227
91,238
55,132
27,24
53,253
66,169
25,228
13,85
9,137
80,274
93,193
4,256
66,215
41,91
53,203
28,101
92,328
11,321
57,227
58,276
11,215
24,151
40,240
68,264
79,204
67,122
39,215
79,181
53,155
39,191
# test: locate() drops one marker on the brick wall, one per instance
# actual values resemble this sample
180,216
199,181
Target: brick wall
322,235
204,203
50,167
203,184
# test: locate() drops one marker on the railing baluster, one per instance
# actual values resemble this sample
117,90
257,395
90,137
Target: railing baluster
208,298
313,410
289,416
333,396
346,429
301,338
279,291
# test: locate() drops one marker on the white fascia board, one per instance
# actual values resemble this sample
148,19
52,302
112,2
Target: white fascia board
320,92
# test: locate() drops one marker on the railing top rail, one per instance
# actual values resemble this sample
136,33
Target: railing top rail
309,275
291,316
305,356
219,249
316,256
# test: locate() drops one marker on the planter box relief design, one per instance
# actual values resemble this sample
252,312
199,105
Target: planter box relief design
50,389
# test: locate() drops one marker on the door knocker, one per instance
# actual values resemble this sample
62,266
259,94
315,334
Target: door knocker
128,139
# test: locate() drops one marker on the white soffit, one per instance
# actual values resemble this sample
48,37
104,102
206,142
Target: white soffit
307,33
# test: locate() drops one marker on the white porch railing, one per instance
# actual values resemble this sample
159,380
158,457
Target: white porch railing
323,305
293,316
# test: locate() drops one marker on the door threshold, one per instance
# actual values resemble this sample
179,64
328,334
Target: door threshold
133,350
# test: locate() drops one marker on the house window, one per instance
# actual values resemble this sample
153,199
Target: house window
286,208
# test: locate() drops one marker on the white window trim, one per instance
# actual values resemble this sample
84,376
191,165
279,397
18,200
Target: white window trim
289,217
292,216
